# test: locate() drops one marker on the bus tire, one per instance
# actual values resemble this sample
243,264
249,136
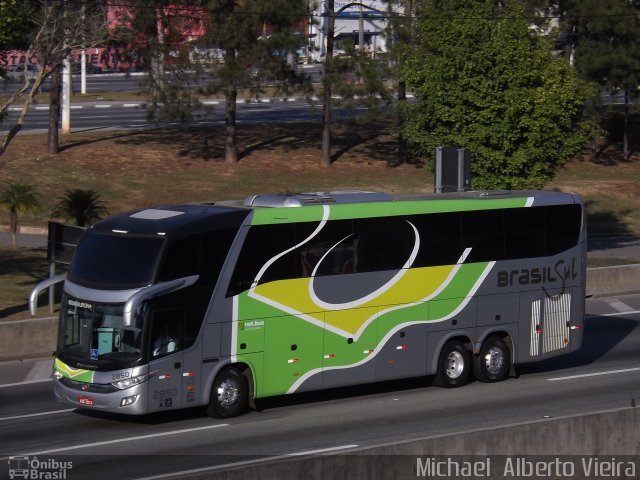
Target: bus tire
493,362
454,365
229,394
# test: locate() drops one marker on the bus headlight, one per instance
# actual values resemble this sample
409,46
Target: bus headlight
125,402
130,382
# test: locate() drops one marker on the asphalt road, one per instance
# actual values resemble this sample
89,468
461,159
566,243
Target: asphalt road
124,115
605,374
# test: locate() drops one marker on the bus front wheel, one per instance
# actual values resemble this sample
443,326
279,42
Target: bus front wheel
493,362
229,394
454,365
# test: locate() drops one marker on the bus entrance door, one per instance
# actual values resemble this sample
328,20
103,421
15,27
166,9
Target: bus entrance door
165,387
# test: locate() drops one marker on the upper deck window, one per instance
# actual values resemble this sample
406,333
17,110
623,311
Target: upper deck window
115,262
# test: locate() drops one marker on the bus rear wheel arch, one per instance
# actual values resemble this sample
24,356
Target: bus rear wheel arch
493,363
229,394
454,365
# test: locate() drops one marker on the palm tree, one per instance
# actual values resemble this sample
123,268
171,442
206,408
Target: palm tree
18,198
84,206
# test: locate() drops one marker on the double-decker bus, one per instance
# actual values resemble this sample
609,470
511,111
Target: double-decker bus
217,304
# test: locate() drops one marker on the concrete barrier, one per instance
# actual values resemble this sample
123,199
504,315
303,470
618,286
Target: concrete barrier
28,338
578,444
613,280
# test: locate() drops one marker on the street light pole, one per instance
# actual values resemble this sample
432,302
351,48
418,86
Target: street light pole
66,92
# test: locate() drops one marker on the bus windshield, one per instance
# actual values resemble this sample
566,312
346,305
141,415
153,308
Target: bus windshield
116,262
95,333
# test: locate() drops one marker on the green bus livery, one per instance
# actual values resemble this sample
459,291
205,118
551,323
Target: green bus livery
218,304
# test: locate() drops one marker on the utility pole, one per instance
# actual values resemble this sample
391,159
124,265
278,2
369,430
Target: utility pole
66,79
66,92
83,55
361,30
325,159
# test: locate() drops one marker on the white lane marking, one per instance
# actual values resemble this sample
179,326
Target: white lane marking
320,450
616,314
53,412
240,464
584,375
24,383
41,370
619,306
102,106
129,439
132,105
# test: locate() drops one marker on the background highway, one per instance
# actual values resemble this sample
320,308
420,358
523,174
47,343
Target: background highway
131,114
604,375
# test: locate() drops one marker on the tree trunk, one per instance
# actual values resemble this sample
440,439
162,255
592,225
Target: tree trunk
405,36
402,141
325,160
17,126
54,111
156,76
625,149
231,149
13,226
156,70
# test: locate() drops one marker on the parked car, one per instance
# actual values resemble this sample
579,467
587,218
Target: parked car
16,72
92,69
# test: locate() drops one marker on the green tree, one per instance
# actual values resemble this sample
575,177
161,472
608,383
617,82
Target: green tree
14,23
17,199
358,77
249,41
51,31
607,37
83,206
241,44
485,82
156,29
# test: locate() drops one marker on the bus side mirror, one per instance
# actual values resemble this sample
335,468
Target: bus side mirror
134,302
37,290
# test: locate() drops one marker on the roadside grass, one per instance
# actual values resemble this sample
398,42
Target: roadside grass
132,169
135,169
21,270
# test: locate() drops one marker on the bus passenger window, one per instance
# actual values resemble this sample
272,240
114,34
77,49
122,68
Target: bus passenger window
264,244
330,252
382,244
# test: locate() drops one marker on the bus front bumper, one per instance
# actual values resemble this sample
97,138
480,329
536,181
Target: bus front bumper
131,401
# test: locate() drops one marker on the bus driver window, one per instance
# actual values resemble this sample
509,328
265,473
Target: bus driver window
166,332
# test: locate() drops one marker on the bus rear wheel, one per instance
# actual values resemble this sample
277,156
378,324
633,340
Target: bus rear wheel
494,361
229,394
454,365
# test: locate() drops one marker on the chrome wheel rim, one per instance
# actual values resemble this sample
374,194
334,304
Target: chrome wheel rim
494,360
227,393
455,365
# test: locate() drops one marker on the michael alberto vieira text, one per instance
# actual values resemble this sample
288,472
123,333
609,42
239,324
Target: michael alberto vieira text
522,467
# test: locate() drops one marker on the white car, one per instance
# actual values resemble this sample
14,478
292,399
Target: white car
16,72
